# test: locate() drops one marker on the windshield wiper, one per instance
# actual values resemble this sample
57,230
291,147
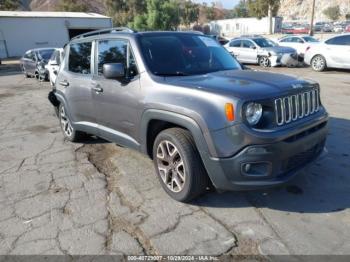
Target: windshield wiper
177,73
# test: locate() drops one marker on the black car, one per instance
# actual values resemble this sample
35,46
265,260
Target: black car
33,62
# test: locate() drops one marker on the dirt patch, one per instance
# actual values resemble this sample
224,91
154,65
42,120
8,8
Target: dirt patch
5,95
38,129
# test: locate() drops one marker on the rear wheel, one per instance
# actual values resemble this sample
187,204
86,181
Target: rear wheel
318,63
264,61
178,165
68,130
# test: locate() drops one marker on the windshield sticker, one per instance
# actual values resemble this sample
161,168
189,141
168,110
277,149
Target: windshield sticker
209,41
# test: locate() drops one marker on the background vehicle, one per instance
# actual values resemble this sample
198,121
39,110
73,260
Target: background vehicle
194,111
54,64
347,29
298,42
259,50
332,53
33,62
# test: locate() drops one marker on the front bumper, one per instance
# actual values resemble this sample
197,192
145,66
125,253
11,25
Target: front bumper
270,164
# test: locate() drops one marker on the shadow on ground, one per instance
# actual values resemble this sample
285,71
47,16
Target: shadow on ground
322,188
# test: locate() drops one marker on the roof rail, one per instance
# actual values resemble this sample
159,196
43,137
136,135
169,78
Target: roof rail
105,31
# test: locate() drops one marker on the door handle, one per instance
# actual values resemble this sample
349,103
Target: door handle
97,89
64,83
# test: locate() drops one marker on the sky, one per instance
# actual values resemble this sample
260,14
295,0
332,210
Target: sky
229,4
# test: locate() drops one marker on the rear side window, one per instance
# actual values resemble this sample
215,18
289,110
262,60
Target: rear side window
236,43
340,40
80,58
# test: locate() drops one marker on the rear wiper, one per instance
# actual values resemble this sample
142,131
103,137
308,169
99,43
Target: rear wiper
177,73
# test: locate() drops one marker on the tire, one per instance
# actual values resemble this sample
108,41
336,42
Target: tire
26,75
318,63
175,156
68,130
264,61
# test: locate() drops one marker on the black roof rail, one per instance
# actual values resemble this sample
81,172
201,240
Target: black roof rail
105,31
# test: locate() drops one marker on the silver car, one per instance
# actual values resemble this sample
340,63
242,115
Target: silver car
260,50
333,53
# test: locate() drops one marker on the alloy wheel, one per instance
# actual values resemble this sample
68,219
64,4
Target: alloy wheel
171,166
318,63
65,123
264,61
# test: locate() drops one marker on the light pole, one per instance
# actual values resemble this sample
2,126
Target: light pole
312,18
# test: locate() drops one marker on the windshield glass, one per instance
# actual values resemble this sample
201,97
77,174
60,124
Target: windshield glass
310,39
263,42
184,54
45,54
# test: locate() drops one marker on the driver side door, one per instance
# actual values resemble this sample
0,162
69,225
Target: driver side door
248,52
116,101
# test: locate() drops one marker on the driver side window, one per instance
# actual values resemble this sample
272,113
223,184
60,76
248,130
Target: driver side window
116,51
236,43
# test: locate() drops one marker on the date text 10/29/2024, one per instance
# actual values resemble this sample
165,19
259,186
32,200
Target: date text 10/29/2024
172,258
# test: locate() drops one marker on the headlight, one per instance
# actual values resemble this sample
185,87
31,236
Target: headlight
253,113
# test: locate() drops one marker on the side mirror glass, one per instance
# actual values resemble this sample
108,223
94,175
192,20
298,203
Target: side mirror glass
113,70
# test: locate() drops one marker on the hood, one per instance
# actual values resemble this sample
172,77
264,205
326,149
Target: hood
279,49
244,84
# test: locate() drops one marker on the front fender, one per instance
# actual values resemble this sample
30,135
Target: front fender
202,138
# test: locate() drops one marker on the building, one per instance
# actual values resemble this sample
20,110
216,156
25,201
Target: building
20,31
245,26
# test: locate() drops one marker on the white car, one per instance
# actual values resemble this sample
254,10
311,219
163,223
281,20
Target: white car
298,42
332,53
54,64
260,50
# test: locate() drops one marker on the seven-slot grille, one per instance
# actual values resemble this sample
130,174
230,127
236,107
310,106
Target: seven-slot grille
294,107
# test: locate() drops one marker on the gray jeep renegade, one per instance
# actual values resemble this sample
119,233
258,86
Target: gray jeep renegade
183,100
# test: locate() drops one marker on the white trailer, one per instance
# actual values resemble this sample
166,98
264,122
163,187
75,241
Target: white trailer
245,26
23,30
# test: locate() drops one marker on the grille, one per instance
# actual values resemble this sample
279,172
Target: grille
294,107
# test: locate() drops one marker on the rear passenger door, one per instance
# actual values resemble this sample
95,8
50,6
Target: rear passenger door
117,102
75,83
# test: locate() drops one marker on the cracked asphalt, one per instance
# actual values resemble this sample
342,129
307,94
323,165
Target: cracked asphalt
97,198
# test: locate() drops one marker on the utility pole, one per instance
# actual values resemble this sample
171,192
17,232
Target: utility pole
312,18
270,18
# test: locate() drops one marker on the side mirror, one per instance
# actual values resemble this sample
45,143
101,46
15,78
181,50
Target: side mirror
252,47
113,70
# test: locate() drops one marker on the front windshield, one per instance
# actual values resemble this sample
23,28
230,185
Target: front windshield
263,42
310,39
45,54
172,54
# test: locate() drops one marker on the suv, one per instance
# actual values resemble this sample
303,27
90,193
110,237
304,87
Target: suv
183,100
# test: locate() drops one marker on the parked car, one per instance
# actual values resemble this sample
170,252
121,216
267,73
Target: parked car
54,64
347,29
33,62
298,42
332,53
201,118
220,39
259,50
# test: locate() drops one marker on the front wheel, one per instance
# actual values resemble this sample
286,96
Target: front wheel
178,165
264,61
318,63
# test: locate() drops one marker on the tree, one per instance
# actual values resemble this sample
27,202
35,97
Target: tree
263,8
72,6
189,13
240,10
9,4
159,15
332,12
